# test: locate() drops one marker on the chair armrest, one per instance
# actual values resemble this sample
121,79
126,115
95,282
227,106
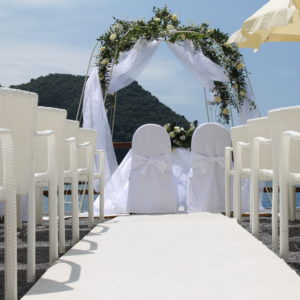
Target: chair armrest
83,145
43,133
292,134
70,140
242,145
263,140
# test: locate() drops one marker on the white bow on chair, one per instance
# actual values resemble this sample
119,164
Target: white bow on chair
203,162
162,162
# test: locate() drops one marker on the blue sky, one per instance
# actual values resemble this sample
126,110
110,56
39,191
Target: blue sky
38,37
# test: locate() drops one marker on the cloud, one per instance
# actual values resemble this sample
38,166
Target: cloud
25,61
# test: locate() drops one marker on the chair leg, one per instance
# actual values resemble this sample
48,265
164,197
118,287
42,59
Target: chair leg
19,212
254,204
61,217
101,197
227,195
39,205
53,238
237,195
275,203
292,202
10,240
91,200
31,236
75,211
284,220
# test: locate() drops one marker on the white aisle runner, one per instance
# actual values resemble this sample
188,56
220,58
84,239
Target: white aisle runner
184,256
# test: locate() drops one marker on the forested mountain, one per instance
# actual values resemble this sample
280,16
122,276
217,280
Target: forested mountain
135,106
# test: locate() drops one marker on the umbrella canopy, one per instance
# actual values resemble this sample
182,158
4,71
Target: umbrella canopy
276,21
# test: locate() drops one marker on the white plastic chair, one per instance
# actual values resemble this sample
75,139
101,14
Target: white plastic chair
261,167
18,114
8,195
86,156
53,119
207,181
285,119
242,166
238,133
99,176
151,184
71,172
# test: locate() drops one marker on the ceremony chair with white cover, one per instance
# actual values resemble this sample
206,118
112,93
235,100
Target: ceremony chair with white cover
286,166
71,172
152,187
86,157
207,181
261,170
49,118
18,114
8,196
238,133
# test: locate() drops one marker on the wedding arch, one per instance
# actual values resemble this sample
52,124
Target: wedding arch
127,46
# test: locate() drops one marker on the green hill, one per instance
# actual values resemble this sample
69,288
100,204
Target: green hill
135,106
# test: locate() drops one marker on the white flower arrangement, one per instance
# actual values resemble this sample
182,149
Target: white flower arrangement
113,36
174,18
180,137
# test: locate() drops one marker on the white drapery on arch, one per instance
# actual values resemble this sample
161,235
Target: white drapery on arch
130,64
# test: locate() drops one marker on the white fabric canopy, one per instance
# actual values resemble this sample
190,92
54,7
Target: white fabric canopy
94,116
131,64
204,70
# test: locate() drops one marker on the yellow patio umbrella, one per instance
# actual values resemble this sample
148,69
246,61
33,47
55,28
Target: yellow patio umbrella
276,21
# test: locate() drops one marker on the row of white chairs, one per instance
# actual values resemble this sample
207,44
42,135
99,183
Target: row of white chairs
41,148
266,149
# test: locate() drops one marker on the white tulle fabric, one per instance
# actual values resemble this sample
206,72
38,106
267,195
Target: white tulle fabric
246,112
94,116
207,178
152,188
131,64
204,70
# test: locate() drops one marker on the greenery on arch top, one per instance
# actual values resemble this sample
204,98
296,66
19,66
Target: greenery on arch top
165,25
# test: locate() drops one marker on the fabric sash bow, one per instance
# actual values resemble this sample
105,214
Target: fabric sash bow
204,162
162,162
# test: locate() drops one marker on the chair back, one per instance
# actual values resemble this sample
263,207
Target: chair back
71,130
152,187
86,135
260,127
207,182
18,114
240,134
283,119
49,118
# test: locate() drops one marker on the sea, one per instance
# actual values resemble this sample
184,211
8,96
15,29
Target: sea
83,201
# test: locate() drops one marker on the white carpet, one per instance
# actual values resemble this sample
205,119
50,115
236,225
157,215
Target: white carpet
185,256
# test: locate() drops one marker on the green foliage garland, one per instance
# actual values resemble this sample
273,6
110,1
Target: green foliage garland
123,35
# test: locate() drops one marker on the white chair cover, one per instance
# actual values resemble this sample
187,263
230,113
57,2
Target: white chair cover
206,190
152,187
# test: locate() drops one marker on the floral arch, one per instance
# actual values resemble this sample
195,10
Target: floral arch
124,35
